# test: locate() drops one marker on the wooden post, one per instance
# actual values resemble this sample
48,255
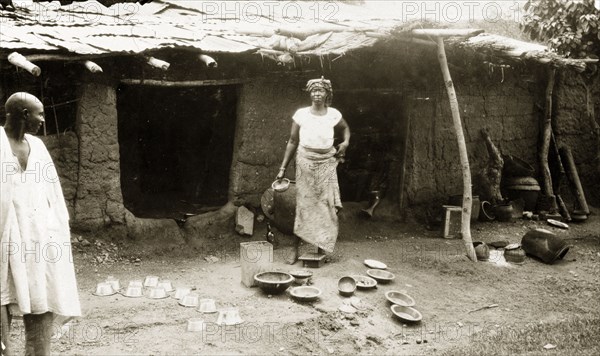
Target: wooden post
545,144
462,150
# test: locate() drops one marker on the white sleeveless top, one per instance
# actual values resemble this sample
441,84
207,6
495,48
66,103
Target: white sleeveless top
316,131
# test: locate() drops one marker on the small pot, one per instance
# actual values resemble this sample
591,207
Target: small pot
504,212
482,251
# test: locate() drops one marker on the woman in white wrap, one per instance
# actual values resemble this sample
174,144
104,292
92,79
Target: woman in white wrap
37,277
318,192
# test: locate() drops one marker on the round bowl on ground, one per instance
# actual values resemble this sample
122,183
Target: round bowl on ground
301,276
374,264
399,298
207,306
364,282
347,286
116,285
381,276
166,285
180,292
134,292
273,282
190,300
157,293
151,281
305,293
104,289
406,314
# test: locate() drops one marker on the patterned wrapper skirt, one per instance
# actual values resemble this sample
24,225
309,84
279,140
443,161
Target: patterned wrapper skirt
318,198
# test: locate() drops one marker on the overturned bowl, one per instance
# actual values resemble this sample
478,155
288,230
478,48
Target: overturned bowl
273,282
157,293
305,293
166,284
406,314
134,292
399,298
347,286
380,275
190,300
104,289
301,276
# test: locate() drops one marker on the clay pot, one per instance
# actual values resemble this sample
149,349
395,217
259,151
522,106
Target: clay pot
514,255
482,251
526,188
544,245
284,209
504,212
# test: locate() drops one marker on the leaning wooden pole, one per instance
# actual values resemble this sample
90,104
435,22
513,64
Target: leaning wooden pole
467,203
546,133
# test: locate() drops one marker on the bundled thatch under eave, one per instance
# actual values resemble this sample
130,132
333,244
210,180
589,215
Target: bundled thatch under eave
512,49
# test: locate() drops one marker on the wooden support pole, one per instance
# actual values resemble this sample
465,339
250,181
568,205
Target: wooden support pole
546,131
462,151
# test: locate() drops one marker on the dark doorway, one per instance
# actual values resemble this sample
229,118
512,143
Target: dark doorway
377,123
176,147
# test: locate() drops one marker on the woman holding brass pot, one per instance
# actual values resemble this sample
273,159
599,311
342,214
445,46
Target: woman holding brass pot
318,193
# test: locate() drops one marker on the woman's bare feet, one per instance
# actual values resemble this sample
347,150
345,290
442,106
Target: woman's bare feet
294,254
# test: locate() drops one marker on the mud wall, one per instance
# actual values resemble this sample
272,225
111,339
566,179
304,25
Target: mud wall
577,120
506,108
265,110
98,198
64,149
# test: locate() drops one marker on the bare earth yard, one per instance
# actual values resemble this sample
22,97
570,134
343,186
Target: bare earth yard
538,304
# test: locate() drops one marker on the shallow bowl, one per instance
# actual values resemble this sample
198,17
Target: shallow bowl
281,185
406,314
364,282
273,282
347,286
381,276
399,298
305,293
301,276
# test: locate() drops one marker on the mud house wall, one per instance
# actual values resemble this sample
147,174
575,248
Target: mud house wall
265,108
576,123
505,108
99,201
64,149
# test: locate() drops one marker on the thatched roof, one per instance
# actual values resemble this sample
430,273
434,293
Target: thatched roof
277,30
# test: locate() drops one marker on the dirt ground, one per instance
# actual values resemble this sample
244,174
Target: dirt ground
433,270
